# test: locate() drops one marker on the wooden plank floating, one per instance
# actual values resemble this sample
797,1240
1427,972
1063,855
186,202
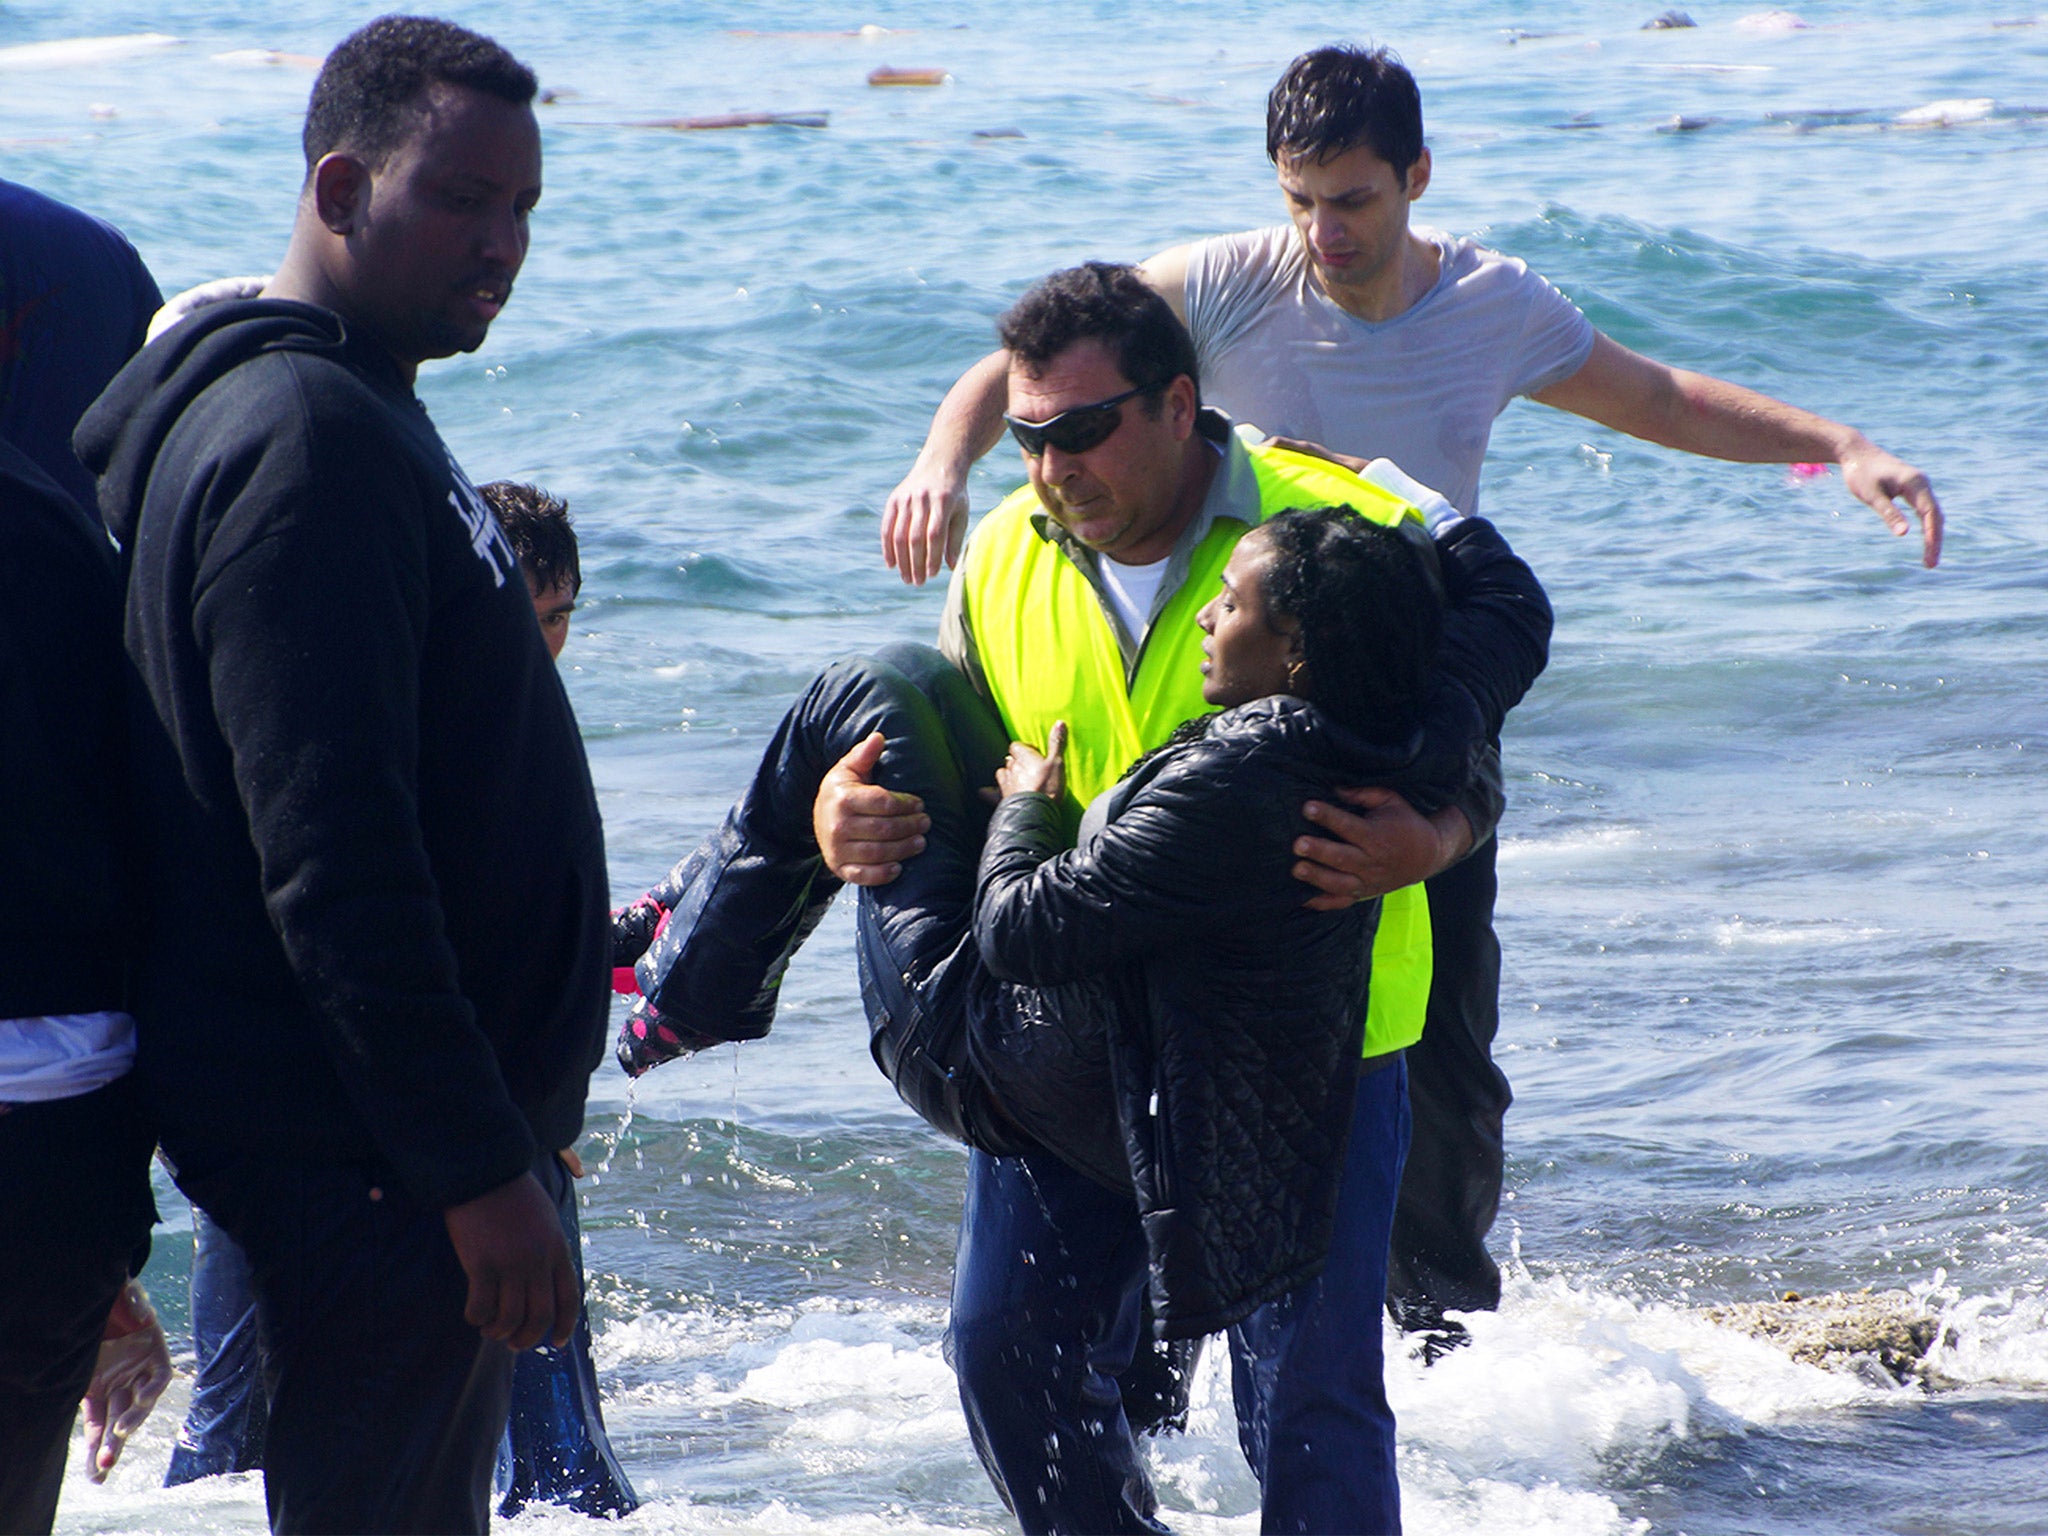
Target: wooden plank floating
741,120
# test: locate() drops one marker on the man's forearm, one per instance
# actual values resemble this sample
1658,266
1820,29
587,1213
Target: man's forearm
1472,817
1695,412
969,421
1454,838
1690,411
1720,420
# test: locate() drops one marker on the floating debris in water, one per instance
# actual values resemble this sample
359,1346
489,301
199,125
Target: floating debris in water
267,58
1772,23
1670,21
739,120
890,76
1946,114
1686,123
999,133
1578,120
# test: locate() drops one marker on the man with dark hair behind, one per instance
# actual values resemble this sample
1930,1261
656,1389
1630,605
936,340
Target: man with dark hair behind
545,541
1350,329
374,935
556,1448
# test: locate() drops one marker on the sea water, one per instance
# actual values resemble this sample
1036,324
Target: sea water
1777,957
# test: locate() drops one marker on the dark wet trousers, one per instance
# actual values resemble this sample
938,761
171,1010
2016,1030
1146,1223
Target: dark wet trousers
1308,1371
554,1451
740,904
1451,1191
75,1213
1047,1312
385,1406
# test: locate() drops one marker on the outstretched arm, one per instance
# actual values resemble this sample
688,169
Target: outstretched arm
926,518
1699,414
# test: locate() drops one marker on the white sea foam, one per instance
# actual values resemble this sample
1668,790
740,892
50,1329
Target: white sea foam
1988,1341
1821,933
686,1517
1519,1430
71,52
1602,840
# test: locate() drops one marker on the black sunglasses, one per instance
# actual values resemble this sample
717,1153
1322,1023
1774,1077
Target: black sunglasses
1078,430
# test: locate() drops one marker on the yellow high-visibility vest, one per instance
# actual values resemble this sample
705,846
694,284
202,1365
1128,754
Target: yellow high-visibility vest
1048,653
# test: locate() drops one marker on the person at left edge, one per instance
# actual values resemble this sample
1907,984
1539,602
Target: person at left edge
74,1142
75,300
75,1206
375,938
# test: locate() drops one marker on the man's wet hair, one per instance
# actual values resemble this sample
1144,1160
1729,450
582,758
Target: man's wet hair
542,536
367,97
1110,303
1335,99
1370,606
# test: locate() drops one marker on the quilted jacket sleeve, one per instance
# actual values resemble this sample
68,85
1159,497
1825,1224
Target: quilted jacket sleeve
1182,859
1497,623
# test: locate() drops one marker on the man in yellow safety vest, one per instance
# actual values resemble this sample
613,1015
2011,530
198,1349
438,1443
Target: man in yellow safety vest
1075,600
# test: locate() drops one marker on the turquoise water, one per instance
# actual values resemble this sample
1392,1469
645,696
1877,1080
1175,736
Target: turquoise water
1777,956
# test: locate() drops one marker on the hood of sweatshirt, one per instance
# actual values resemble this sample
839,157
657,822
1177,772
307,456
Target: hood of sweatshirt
120,436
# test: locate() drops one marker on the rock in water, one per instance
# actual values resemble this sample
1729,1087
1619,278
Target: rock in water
1843,1329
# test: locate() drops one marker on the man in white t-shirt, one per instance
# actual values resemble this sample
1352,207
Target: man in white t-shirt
1354,330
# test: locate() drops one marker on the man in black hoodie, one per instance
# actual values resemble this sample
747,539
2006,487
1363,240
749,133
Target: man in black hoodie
372,981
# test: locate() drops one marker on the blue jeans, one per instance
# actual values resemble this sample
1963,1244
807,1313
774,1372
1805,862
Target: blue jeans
555,1449
225,1424
1308,1372
1047,1297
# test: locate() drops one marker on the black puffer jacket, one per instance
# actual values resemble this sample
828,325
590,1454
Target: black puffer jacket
1232,1014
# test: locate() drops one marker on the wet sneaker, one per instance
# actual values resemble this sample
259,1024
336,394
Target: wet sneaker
1433,1344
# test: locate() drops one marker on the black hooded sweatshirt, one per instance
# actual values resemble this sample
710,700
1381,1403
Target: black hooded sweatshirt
374,910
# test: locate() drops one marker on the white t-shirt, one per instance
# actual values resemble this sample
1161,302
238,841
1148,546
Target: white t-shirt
1132,590
63,1055
1421,389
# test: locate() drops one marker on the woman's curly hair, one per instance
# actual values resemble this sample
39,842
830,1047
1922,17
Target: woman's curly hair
1370,606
